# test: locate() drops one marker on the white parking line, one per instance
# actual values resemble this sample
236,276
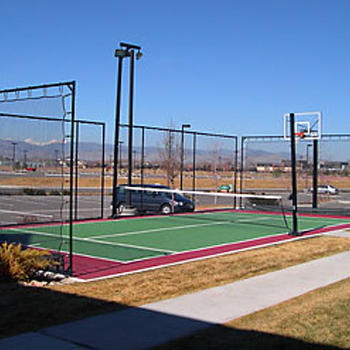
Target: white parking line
25,213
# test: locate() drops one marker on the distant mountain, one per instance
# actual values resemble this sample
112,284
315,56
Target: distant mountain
91,151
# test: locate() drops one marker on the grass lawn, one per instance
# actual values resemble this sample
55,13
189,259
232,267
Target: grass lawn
316,320
29,308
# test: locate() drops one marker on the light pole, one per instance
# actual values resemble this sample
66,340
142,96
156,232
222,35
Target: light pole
56,158
25,158
307,166
182,152
14,144
134,158
120,156
125,50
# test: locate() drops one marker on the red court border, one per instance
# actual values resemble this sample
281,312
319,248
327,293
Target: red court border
90,268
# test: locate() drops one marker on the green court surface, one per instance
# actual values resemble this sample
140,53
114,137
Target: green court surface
126,240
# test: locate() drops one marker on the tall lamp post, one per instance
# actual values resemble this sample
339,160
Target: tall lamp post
120,156
25,158
307,165
14,144
125,50
182,152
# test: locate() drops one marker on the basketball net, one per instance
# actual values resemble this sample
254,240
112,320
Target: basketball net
299,136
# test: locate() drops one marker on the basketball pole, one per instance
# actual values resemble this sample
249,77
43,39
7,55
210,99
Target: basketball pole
294,231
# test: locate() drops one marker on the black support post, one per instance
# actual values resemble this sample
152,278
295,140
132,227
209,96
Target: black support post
294,231
235,172
116,138
315,174
71,185
76,171
103,169
130,139
241,171
194,165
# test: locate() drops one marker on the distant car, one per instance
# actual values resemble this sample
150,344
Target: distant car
226,188
326,189
153,201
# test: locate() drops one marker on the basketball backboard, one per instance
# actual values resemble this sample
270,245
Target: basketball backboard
307,125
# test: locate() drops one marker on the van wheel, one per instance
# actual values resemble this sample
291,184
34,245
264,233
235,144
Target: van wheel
165,209
121,208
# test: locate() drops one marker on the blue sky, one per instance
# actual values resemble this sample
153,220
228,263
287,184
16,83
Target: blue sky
222,66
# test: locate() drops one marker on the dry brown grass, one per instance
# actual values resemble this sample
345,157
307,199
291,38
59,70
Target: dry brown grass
316,320
173,281
251,180
28,308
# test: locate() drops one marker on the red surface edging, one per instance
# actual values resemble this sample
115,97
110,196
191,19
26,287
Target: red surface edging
93,268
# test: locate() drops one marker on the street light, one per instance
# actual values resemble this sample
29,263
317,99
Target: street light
182,152
125,50
120,156
14,144
307,165
134,158
25,158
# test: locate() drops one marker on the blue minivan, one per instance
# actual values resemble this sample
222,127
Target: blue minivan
153,201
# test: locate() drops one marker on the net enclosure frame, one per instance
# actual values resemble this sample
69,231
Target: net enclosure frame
181,133
315,157
78,123
63,91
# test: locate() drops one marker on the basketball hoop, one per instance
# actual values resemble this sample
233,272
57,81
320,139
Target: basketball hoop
300,134
307,126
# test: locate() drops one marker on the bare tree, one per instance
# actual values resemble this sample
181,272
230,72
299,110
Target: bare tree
170,156
215,158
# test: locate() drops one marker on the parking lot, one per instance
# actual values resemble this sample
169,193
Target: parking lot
26,208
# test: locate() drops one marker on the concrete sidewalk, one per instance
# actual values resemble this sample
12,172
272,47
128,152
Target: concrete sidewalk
157,323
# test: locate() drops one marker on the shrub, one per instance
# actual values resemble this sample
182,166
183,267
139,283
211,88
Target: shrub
55,193
19,264
34,192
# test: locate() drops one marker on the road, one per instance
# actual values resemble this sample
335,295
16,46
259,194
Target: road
27,208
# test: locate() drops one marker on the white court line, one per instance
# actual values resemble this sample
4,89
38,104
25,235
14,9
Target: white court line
174,228
96,241
158,230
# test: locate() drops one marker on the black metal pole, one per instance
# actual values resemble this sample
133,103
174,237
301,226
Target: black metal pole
120,156
142,162
142,154
235,172
116,138
14,144
241,171
25,158
194,166
70,269
131,110
76,171
294,176
103,169
315,175
182,157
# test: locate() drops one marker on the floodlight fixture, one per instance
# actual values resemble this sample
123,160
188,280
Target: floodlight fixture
139,54
130,46
121,53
